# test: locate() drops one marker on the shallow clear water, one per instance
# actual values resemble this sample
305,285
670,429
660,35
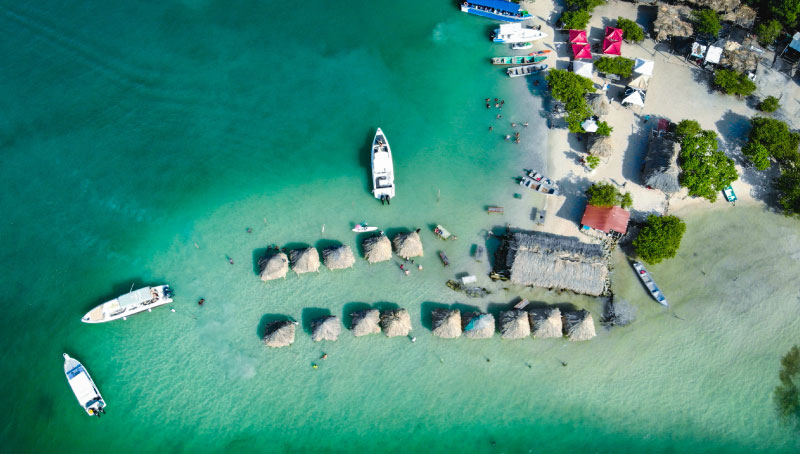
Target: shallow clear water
130,133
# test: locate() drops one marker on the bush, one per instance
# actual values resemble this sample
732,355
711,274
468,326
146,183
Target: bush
604,129
606,195
660,238
571,89
593,161
771,138
768,32
626,201
769,104
620,66
704,169
788,186
632,31
588,5
787,394
787,11
687,128
576,20
733,83
706,21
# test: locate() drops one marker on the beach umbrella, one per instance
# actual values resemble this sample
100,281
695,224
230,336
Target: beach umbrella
514,324
641,82
365,322
612,47
305,260
579,325
582,51
338,257
642,66
578,36
396,322
377,249
326,328
479,326
446,323
634,97
546,323
274,266
589,125
407,245
582,68
279,334
600,146
599,104
614,34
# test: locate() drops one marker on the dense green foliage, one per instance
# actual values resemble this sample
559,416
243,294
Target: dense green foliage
787,394
706,21
576,20
571,89
771,138
632,31
733,83
604,129
786,11
607,195
769,104
588,5
620,66
593,161
626,201
660,238
788,186
704,169
768,32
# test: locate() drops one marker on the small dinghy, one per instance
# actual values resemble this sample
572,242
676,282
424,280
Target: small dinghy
444,258
442,233
479,253
648,282
540,52
363,227
82,385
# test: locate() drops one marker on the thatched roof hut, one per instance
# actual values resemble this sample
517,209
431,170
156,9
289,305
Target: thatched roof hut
446,323
600,146
365,322
744,16
396,322
661,165
599,104
546,323
279,334
673,20
478,325
326,328
338,257
579,325
739,57
407,245
377,249
552,261
720,6
305,260
514,324
274,266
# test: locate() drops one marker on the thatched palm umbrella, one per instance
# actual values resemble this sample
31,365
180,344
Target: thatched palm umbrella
478,325
365,322
546,323
514,324
673,20
338,257
279,334
274,266
600,146
305,260
407,245
446,323
326,328
377,249
396,322
579,325
599,104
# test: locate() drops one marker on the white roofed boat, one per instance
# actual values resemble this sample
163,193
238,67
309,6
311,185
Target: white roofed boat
648,281
83,386
128,304
516,33
382,168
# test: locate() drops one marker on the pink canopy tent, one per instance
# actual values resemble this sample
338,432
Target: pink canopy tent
577,36
612,47
582,51
614,34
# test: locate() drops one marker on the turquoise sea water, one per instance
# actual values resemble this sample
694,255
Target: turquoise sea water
131,132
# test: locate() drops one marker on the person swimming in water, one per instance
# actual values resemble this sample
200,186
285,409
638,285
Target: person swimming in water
230,260
201,301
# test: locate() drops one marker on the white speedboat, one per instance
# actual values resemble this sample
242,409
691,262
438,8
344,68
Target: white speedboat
648,281
128,304
516,33
382,168
363,227
82,385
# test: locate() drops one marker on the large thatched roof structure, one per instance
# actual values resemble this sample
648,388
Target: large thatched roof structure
407,245
305,260
600,146
478,325
326,328
279,334
514,324
377,249
744,16
338,257
661,165
273,266
579,325
365,322
546,323
396,322
552,261
599,104
740,57
720,6
673,20
446,323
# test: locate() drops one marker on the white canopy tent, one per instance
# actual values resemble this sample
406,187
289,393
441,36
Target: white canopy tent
582,68
714,54
635,98
642,66
589,125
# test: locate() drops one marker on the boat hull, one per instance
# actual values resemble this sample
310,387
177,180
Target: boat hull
650,284
526,70
83,387
492,15
129,304
528,35
382,167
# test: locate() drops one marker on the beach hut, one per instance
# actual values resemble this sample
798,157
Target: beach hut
326,328
673,20
599,103
514,324
606,219
614,34
407,245
612,47
279,334
338,257
396,322
377,249
578,325
273,266
365,322
643,67
305,260
583,68
446,323
541,259
661,165
478,325
546,323
582,51
600,146
577,37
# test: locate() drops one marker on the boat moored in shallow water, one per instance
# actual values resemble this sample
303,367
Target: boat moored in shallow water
129,304
730,196
648,282
83,386
521,46
520,71
518,60
495,9
382,168
516,33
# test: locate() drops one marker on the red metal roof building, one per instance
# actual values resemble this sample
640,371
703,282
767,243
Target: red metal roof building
606,219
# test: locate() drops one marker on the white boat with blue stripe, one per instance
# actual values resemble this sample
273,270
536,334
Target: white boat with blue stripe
495,9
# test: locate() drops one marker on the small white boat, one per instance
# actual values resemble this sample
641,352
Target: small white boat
648,281
521,46
442,233
83,386
382,168
363,227
131,303
516,33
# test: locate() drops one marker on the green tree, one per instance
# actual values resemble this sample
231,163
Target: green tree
632,31
620,66
768,32
771,138
588,5
571,89
604,129
786,11
704,169
706,21
576,20
733,83
593,161
769,104
687,128
660,238
606,195
626,201
788,186
787,394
